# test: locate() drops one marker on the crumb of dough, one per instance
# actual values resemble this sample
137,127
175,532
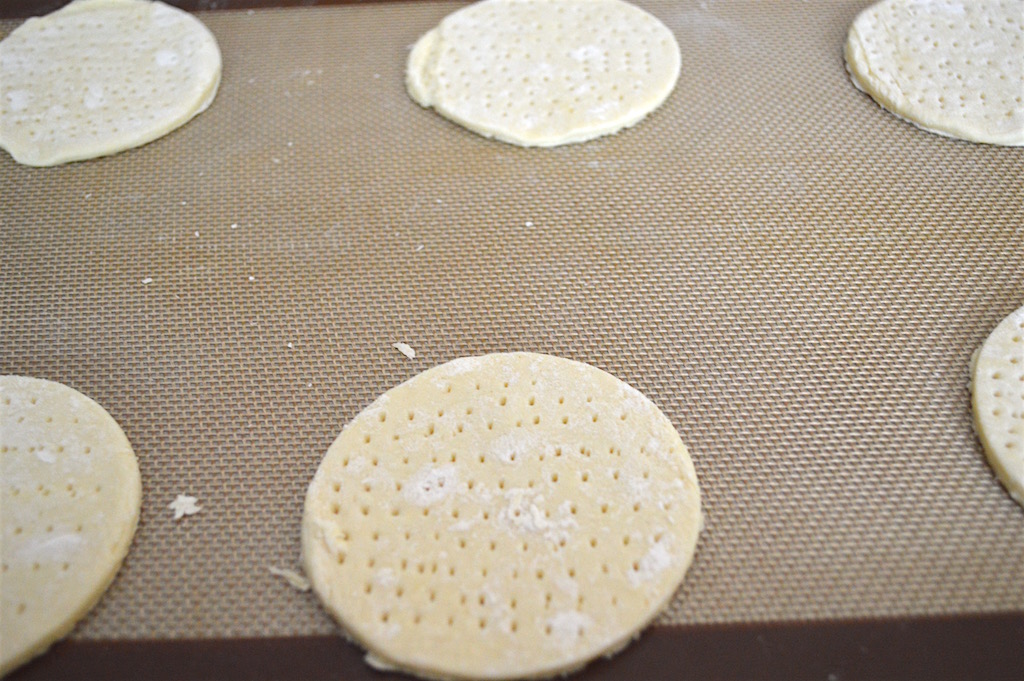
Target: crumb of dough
405,349
379,664
184,505
293,578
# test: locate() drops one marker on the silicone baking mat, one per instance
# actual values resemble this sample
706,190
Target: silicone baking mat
796,277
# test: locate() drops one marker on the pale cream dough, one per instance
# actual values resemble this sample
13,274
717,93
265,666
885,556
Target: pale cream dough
70,495
545,72
952,67
100,76
997,394
504,516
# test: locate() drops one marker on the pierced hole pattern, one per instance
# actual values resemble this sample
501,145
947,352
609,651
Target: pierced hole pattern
999,400
518,525
54,500
126,82
536,81
945,66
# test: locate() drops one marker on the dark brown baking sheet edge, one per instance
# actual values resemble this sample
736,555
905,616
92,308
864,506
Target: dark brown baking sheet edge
977,646
21,9
987,646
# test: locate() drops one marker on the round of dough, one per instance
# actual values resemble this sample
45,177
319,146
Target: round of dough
997,387
70,495
101,76
952,67
545,72
504,516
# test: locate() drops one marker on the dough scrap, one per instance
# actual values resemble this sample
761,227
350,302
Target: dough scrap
184,505
100,76
952,67
545,72
70,495
504,516
405,349
997,395
294,579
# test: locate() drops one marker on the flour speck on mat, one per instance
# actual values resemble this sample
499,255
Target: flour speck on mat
184,505
545,72
70,493
504,516
100,76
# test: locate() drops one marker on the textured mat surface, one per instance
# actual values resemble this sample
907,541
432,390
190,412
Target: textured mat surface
797,278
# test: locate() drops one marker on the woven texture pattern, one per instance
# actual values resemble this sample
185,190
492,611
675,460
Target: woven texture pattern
796,277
